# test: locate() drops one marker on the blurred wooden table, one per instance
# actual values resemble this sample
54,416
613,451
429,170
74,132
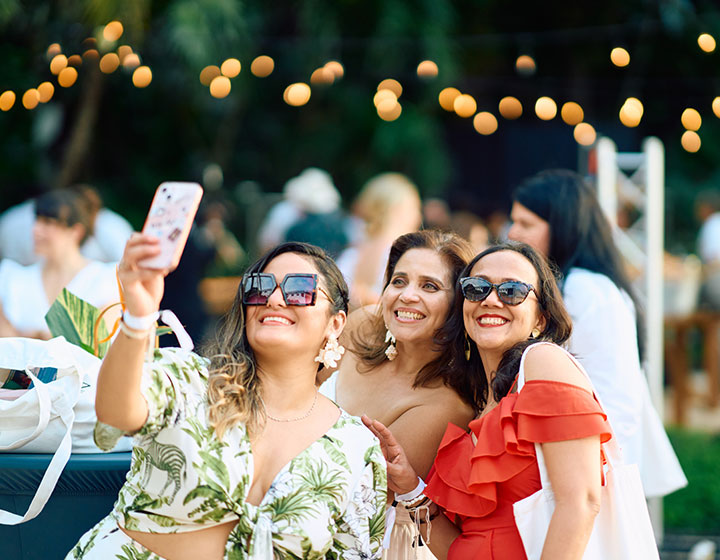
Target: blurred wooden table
677,357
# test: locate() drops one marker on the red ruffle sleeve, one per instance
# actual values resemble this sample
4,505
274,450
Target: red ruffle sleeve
465,476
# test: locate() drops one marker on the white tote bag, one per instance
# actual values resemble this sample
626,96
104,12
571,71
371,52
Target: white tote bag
56,417
622,529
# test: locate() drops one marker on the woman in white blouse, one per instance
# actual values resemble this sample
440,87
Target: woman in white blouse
558,214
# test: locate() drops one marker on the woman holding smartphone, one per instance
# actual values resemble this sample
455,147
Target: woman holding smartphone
237,455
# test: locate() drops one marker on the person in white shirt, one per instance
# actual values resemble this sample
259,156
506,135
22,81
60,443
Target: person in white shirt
707,209
558,214
26,292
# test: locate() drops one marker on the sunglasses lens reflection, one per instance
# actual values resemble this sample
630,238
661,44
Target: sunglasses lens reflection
257,289
513,293
476,289
299,290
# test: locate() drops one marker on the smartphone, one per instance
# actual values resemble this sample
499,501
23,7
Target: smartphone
170,218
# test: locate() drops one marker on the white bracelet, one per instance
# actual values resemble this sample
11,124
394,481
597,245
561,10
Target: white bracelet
132,333
413,494
143,323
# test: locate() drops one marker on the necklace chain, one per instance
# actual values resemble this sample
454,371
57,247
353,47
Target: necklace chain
312,407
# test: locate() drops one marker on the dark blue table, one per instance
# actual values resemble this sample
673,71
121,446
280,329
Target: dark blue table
84,494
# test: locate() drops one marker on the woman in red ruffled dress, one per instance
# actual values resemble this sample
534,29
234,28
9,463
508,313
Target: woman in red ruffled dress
509,307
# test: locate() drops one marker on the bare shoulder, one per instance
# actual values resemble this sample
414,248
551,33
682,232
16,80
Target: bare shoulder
549,362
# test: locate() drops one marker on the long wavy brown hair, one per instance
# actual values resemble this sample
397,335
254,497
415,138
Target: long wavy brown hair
369,343
558,327
234,388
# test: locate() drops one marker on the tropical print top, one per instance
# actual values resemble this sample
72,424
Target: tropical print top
327,502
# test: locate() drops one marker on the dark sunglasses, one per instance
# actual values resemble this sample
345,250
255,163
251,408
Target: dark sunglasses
297,289
510,292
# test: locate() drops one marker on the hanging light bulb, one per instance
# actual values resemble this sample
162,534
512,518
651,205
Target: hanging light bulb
690,141
584,134
262,66
510,108
485,123
619,57
545,108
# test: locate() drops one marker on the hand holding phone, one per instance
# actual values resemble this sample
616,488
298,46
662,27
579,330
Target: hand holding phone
170,218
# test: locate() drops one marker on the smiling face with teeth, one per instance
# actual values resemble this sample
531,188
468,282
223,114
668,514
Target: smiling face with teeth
493,325
278,327
417,299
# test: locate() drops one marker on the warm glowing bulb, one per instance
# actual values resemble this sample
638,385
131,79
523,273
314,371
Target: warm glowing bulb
53,50
447,98
427,69
691,119
336,68
389,110
707,43
113,31
629,115
525,65
382,95
465,105
230,68
220,87
716,107
109,63
123,51
45,92
297,94
142,76
58,62
208,74
584,134
545,108
620,57
322,76
74,60
91,54
7,100
262,66
485,123
572,113
67,76
30,98
510,107
690,141
131,61
392,85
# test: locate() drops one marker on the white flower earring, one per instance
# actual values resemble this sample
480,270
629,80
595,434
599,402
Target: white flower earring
330,353
391,350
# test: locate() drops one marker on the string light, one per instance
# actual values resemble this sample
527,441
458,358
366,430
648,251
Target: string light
392,85
716,107
427,69
75,60
620,57
220,87
53,50
545,108
297,94
447,98
208,74
7,100
123,51
465,105
113,31
690,141
631,112
91,54
262,66
231,67
584,134
45,92
131,61
322,76
691,119
109,63
707,43
30,99
510,108
67,77
382,95
389,110
142,76
336,68
485,123
58,62
525,65
572,113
